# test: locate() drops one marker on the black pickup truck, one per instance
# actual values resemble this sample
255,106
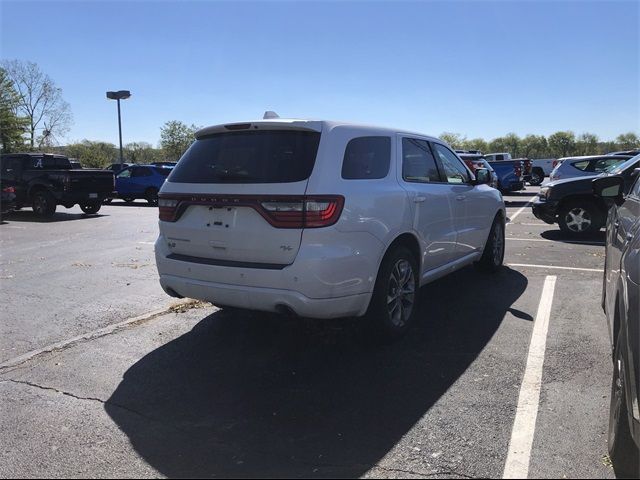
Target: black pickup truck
43,181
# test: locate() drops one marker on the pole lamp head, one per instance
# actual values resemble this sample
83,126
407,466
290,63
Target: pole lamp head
119,95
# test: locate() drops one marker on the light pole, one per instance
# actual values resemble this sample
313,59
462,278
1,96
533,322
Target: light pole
119,95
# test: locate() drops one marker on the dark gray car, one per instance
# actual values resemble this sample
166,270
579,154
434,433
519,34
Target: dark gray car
621,303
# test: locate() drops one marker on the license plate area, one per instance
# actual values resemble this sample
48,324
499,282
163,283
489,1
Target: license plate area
221,217
93,195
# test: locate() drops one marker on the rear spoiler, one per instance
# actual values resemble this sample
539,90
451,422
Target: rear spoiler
309,126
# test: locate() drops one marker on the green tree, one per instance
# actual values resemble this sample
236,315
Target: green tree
141,152
40,101
512,144
475,144
587,144
12,126
562,144
534,146
454,139
628,141
93,154
175,138
497,145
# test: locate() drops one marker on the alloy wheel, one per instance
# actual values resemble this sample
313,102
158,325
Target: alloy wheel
578,220
498,245
401,293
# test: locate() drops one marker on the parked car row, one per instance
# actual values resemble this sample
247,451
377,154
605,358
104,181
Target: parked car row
572,204
510,174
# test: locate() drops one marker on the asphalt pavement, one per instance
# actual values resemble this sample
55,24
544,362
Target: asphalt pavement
203,392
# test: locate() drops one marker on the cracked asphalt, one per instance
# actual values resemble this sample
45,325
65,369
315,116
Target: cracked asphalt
203,392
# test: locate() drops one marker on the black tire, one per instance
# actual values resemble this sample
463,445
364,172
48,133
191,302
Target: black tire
537,177
128,199
622,449
397,278
43,204
579,217
493,254
91,208
152,196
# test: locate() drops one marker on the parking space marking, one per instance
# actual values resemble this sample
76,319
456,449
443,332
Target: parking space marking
521,209
524,425
599,270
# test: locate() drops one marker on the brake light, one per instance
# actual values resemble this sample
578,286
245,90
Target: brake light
168,209
281,211
9,190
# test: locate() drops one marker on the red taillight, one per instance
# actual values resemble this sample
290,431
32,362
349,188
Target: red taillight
281,211
9,190
553,165
168,209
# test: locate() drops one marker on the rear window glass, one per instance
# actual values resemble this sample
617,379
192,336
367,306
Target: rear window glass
366,158
267,156
581,165
163,171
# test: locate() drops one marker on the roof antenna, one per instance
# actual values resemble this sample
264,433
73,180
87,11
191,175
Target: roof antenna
269,115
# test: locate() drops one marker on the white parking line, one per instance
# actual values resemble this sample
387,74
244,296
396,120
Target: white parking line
513,217
524,425
599,270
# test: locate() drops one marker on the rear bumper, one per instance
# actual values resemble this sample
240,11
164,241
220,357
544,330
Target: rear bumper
266,299
332,276
71,198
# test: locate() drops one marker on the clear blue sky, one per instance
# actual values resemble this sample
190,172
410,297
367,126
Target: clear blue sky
479,68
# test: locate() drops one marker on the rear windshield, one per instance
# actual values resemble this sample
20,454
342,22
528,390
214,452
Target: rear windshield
268,156
164,171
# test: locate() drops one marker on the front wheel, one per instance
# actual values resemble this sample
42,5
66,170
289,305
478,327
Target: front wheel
394,301
493,254
579,218
622,449
90,208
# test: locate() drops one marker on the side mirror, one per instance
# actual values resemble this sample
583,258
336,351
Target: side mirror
483,176
609,188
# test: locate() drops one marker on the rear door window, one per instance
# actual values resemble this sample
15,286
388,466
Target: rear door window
262,156
366,158
418,163
582,165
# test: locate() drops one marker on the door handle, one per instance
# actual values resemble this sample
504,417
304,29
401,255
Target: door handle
616,224
629,236
419,199
460,197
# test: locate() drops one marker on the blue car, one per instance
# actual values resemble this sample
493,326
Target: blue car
141,181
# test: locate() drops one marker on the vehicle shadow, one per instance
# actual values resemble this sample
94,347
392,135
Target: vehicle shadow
258,395
29,216
596,238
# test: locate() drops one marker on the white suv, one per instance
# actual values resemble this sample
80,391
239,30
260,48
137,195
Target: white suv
322,219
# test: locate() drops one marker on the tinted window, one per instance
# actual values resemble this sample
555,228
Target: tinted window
581,165
267,156
418,164
141,172
163,171
454,170
499,157
604,163
635,191
125,173
366,158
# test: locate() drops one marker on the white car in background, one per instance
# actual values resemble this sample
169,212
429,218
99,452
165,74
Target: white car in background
322,219
570,167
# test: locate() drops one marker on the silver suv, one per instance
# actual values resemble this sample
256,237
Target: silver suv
322,219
